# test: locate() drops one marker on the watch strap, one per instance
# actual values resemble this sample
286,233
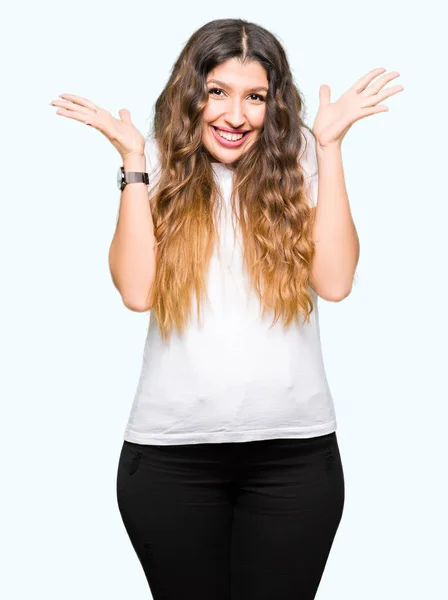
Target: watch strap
133,177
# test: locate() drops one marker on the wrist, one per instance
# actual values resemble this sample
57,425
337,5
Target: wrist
333,148
135,163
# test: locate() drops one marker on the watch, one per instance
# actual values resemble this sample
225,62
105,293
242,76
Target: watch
125,177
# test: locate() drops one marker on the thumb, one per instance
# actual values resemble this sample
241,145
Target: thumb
324,94
125,115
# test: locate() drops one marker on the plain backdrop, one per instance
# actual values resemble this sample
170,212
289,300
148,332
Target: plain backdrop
71,352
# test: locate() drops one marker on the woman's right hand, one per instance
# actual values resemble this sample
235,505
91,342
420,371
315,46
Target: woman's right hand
124,136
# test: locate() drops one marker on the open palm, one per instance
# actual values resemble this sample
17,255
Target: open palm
333,120
123,135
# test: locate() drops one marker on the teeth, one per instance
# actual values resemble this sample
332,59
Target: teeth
229,136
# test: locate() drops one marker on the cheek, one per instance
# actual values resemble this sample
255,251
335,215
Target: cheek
258,118
209,114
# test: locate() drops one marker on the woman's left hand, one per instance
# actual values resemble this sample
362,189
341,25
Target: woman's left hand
333,120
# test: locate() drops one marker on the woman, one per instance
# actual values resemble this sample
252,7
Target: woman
230,482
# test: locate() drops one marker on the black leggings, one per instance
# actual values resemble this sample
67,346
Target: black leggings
232,521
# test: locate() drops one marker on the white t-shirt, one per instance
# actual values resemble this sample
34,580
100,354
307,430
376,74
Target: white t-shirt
233,379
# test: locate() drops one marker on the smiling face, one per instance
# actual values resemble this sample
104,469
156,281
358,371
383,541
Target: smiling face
236,101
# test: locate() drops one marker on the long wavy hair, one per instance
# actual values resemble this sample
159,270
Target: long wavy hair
268,196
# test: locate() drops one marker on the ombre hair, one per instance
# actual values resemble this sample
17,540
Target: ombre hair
268,197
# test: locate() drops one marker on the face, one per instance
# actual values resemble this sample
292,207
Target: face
236,101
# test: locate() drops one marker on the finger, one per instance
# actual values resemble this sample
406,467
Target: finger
373,100
70,106
378,85
362,83
78,116
80,100
373,111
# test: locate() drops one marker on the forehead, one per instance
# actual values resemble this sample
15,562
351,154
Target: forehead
239,75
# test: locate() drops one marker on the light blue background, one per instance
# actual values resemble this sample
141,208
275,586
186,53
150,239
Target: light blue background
71,351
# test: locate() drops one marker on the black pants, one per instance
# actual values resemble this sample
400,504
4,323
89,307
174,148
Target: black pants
232,521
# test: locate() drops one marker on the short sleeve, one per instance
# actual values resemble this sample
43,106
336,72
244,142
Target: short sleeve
308,162
152,158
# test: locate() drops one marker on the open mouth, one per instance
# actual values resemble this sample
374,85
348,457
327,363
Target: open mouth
227,139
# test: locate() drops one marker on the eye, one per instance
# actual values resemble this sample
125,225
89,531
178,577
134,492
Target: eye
259,96
217,90
214,90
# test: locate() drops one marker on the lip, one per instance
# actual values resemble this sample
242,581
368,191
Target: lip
231,130
227,143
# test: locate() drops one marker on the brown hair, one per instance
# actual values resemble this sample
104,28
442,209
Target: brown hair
269,184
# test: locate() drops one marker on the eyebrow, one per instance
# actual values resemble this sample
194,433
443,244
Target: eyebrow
225,85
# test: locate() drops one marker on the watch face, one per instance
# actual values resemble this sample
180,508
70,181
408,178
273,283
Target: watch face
119,177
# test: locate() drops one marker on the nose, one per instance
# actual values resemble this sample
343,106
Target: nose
235,116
